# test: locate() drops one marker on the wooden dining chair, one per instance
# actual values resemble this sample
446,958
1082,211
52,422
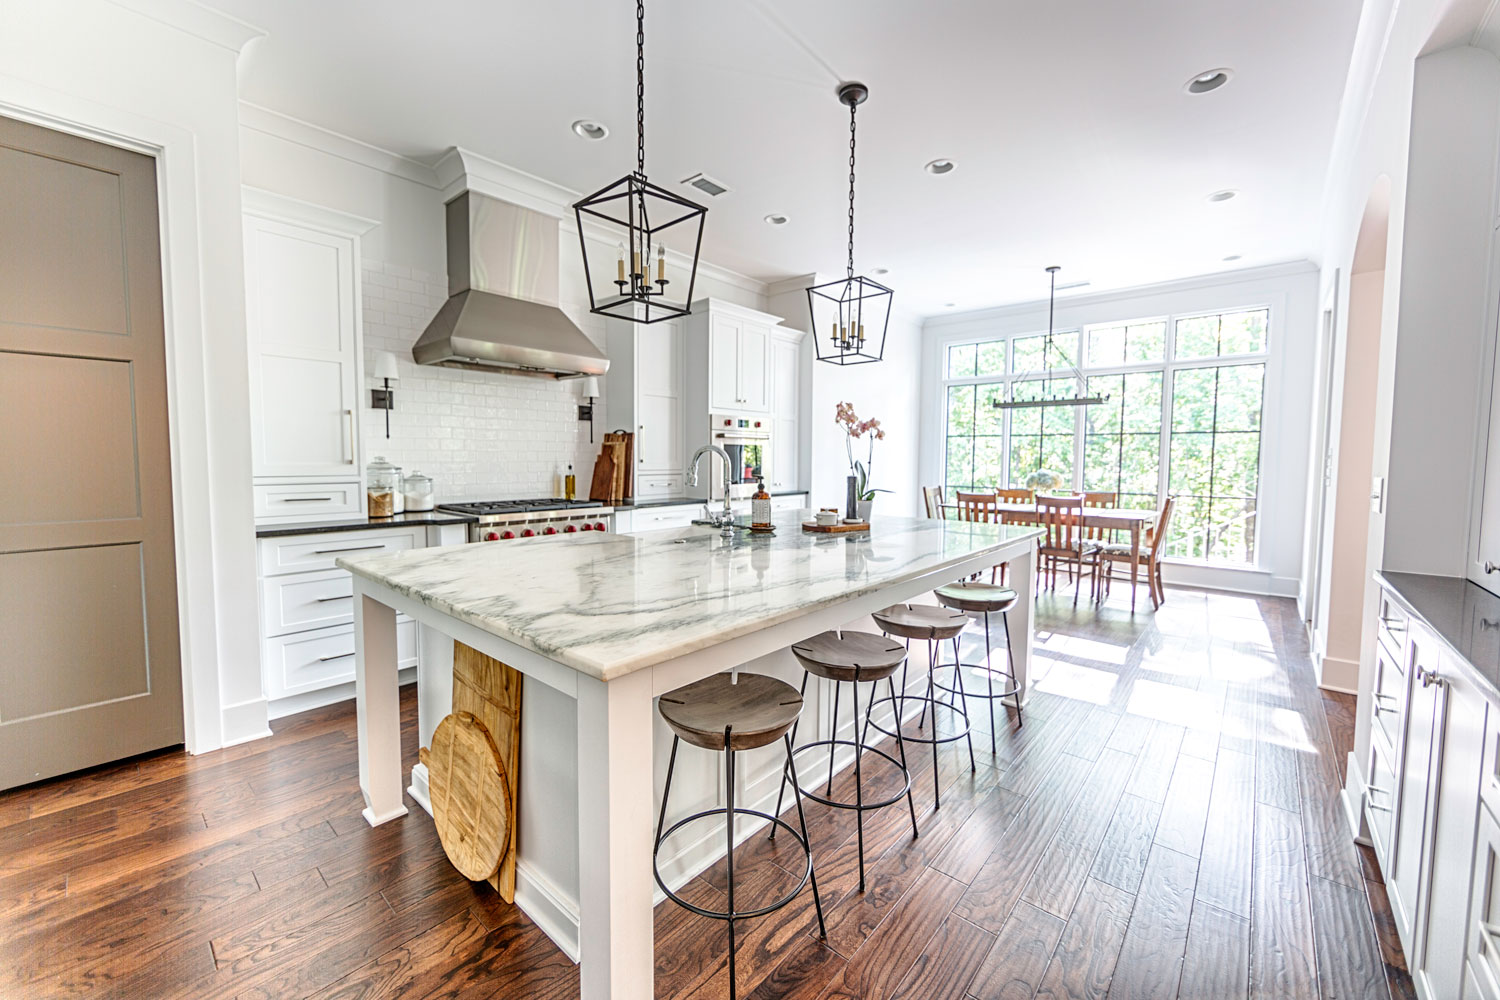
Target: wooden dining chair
1062,520
1015,496
932,499
984,508
1096,500
1153,545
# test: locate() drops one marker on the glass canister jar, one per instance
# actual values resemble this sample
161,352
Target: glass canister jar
398,498
418,491
382,483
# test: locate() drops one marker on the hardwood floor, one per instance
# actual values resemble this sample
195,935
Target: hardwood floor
1167,823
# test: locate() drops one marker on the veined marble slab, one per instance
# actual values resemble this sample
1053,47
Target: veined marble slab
610,604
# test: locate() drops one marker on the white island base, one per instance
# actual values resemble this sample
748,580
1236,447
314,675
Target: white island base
601,626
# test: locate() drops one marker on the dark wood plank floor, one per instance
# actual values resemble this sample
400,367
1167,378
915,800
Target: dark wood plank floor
1166,824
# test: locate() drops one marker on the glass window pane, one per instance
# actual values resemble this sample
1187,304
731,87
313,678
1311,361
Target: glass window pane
1236,465
1243,332
991,358
1028,352
1198,337
960,409
987,419
1231,531
1104,418
961,361
1193,399
1238,405
989,462
1187,534
1141,402
1191,469
960,466
1025,458
1140,462
1106,345
1101,469
1145,342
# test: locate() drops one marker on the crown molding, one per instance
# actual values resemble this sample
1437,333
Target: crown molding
295,130
197,20
1247,275
270,205
459,170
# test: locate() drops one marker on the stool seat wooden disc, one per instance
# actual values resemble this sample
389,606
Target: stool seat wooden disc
849,656
974,596
919,621
758,710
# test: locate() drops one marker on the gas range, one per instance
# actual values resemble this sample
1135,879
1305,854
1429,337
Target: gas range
500,520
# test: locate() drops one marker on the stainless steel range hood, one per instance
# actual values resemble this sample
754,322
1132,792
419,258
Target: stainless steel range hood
502,314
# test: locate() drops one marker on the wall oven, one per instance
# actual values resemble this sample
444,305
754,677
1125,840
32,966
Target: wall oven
748,442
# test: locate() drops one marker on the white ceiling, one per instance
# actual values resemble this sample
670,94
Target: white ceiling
1074,139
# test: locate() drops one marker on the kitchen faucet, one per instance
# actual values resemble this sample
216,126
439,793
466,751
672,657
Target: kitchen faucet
724,519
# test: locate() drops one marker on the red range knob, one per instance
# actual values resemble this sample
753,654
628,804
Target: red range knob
490,536
586,527
550,530
571,528
527,533
729,423
508,534
757,423
599,526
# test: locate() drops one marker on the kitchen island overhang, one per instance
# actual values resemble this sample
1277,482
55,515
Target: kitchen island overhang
609,622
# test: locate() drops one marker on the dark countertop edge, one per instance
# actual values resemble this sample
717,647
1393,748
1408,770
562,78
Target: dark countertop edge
1444,605
417,518
692,501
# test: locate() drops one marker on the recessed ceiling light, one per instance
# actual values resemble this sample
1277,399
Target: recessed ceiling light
1224,195
880,270
1231,258
939,167
1208,81
777,219
585,128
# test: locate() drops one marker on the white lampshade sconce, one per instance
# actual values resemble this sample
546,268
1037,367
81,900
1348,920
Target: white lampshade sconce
589,390
385,398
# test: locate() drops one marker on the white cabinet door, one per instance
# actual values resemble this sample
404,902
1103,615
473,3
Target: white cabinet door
1414,772
783,454
300,312
658,376
785,368
658,446
658,358
724,363
755,363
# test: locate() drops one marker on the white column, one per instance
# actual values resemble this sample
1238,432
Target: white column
1020,618
615,834
378,702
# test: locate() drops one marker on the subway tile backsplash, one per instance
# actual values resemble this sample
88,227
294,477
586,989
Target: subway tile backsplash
480,436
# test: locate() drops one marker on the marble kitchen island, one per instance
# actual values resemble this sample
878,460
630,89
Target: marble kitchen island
602,624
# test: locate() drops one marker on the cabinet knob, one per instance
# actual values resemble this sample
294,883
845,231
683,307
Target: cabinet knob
1430,678
1490,567
1488,624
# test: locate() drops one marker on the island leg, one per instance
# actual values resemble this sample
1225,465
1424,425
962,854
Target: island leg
1020,619
615,838
377,702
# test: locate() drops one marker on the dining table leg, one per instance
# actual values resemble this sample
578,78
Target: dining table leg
1135,560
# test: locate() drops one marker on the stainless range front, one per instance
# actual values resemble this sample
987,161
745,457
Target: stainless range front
502,520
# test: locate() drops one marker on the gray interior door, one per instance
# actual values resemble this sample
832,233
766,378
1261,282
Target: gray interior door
89,659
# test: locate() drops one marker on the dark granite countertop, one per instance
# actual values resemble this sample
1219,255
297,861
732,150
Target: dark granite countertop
361,523
1464,615
685,501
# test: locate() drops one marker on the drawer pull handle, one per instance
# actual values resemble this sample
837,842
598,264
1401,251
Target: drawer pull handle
1488,625
1490,567
352,548
335,656
1386,703
305,499
1382,791
1430,678
345,597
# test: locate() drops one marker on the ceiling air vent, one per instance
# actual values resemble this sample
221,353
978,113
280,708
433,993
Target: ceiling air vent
706,184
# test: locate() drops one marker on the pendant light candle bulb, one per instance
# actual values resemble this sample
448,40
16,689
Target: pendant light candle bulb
661,263
620,265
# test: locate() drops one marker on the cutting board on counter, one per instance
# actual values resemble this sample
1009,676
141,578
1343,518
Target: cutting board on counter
613,479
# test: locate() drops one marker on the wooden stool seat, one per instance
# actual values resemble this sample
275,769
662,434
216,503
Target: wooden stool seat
758,710
919,621
975,596
849,656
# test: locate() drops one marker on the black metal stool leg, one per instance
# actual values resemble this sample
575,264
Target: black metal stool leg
922,720
1010,656
667,791
901,749
989,676
932,647
812,875
835,735
782,790
958,682
729,855
859,790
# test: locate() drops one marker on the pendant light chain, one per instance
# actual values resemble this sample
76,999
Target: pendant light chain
640,87
852,108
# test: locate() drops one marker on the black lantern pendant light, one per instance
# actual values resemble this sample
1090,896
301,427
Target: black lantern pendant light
1047,351
639,216
850,316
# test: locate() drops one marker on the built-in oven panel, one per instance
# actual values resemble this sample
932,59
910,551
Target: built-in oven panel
747,440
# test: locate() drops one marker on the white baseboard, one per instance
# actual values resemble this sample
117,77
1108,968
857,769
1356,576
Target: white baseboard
1353,797
1337,674
280,708
549,908
243,722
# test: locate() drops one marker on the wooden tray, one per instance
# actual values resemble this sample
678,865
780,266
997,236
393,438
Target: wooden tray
834,529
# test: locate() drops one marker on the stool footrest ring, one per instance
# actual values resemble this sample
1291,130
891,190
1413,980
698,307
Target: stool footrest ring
836,804
738,914
995,673
935,704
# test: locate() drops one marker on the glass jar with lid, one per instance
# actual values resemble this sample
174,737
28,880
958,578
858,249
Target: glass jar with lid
382,483
398,498
418,491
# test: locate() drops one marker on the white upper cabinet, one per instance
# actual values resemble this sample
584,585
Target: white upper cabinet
754,359
732,346
644,393
302,314
724,335
785,393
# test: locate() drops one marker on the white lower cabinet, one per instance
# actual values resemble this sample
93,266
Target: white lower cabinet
310,661
1482,962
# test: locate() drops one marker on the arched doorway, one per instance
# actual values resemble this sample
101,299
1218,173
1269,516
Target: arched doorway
1344,520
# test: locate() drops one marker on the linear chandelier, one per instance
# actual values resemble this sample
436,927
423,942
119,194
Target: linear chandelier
1047,347
643,215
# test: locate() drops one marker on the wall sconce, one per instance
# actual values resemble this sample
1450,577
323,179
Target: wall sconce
385,399
589,389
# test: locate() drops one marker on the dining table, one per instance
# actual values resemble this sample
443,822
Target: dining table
1131,520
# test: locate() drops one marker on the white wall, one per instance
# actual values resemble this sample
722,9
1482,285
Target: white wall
79,65
1290,290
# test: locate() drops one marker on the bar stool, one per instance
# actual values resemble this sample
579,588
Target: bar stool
985,598
731,713
851,657
933,626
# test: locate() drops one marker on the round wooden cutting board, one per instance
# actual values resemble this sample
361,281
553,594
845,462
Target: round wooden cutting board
470,795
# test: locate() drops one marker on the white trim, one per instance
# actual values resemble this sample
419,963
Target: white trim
1352,795
281,208
243,722
197,20
549,908
1337,674
258,118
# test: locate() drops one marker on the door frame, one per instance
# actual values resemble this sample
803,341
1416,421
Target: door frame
201,554
1320,461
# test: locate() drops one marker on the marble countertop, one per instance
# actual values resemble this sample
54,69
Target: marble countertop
610,604
638,504
1465,616
358,522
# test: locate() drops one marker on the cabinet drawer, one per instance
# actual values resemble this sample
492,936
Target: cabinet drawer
309,661
1489,776
1393,627
301,500
794,502
652,486
296,602
1483,951
1388,700
1380,797
654,518
296,553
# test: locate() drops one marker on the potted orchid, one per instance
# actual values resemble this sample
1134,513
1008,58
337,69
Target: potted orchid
861,494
